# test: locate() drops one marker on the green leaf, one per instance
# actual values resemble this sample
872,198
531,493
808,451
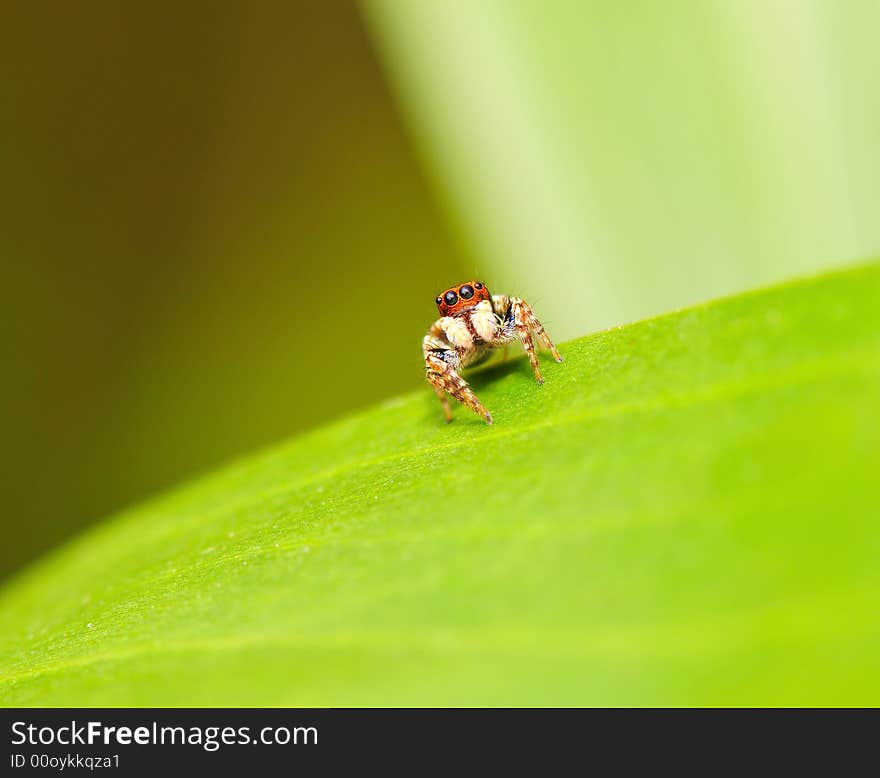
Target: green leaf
686,512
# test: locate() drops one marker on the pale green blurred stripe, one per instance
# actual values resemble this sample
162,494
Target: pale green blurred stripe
611,160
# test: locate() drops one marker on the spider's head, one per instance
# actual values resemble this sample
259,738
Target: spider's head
457,300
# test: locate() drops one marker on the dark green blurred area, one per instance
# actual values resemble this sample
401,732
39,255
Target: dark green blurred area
213,235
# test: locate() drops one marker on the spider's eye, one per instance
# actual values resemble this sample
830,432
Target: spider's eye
478,285
451,298
466,292
438,300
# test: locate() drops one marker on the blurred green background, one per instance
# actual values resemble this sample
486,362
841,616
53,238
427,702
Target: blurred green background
200,205
615,160
204,208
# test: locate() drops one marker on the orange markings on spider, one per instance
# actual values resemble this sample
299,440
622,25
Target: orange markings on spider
454,301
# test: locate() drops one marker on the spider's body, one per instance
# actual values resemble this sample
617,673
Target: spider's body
472,323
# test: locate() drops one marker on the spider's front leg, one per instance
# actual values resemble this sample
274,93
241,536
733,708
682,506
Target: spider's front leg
523,322
444,378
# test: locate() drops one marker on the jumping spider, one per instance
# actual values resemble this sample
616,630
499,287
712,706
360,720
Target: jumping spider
472,323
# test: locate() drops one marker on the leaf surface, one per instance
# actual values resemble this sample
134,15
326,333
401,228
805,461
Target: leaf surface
685,513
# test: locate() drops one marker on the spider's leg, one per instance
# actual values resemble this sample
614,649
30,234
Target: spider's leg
447,411
517,321
435,343
533,324
443,378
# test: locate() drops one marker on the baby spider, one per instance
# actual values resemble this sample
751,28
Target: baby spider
472,323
